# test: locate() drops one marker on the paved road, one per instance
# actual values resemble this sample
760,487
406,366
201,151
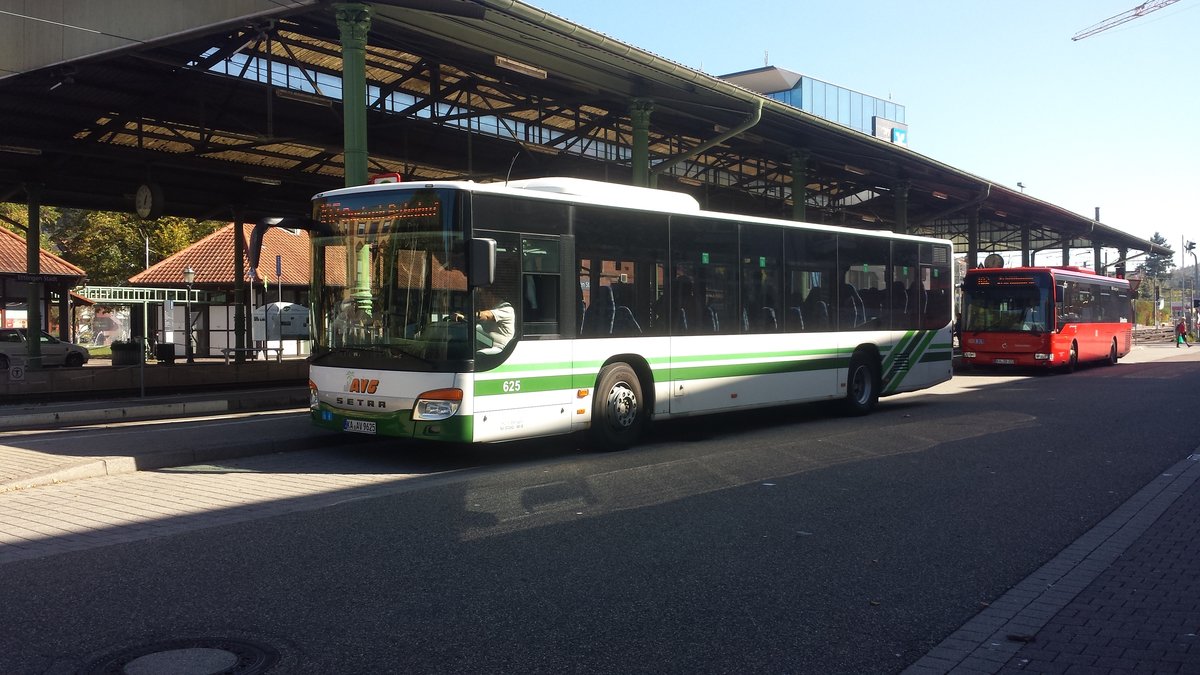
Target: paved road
743,543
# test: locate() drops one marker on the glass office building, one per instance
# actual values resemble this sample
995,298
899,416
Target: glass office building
870,115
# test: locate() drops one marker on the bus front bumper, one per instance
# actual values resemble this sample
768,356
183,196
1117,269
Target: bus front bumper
394,424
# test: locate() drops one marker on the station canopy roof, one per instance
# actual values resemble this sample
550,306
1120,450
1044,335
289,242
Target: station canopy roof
95,103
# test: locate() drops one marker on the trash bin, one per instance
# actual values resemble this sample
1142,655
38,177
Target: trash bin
165,353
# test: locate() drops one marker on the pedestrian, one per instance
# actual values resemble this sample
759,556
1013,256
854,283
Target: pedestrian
1181,334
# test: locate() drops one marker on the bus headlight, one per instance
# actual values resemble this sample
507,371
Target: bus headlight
437,404
314,400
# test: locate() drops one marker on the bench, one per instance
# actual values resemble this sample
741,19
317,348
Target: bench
252,352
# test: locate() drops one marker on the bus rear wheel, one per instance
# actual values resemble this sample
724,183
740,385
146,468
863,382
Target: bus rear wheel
618,410
862,385
1112,354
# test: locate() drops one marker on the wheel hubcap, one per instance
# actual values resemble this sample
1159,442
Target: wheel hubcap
859,386
622,406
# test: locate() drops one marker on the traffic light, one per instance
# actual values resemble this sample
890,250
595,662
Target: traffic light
1190,245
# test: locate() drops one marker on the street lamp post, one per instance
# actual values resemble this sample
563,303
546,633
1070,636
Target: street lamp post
189,275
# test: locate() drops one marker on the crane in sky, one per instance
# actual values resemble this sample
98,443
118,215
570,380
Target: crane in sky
1114,21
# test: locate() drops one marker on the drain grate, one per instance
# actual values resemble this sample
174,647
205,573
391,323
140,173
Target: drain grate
195,656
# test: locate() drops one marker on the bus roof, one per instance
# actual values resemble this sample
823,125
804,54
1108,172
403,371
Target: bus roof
1056,270
600,193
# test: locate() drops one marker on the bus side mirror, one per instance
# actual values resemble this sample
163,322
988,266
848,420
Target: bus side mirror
260,228
482,254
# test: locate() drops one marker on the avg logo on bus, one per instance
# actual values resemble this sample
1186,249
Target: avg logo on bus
360,385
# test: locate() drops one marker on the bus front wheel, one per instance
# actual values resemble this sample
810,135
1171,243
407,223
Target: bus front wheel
618,411
1072,359
1112,353
862,385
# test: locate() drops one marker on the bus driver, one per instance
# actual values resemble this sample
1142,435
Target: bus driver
497,323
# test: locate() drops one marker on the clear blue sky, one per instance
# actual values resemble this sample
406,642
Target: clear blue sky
997,89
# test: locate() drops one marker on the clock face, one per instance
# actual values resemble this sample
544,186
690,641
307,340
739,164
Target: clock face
147,201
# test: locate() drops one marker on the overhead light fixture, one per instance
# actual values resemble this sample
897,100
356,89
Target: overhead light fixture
1002,214
518,67
686,180
262,181
20,150
940,195
304,97
855,169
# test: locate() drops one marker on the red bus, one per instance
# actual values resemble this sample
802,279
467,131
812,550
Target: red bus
1044,317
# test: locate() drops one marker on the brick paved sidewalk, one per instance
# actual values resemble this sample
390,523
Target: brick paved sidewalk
1124,598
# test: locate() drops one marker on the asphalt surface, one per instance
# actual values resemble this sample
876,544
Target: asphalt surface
1009,530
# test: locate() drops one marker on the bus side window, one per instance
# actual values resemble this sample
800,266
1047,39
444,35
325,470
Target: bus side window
539,299
539,285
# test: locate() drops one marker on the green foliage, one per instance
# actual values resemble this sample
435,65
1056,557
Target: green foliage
1158,266
110,247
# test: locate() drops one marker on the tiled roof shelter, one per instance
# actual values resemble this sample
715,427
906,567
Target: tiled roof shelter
212,260
213,319
57,275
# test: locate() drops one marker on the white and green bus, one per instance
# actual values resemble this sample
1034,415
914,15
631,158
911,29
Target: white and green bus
599,308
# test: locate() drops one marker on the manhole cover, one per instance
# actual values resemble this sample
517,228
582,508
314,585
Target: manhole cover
196,656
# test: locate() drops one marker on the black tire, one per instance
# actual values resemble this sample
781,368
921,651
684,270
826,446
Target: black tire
74,360
862,385
618,410
1072,359
1112,354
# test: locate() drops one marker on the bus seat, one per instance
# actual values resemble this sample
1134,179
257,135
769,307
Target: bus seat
795,319
681,322
624,323
598,318
850,308
769,324
899,298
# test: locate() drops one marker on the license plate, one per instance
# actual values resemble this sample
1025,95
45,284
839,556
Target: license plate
358,426
1001,362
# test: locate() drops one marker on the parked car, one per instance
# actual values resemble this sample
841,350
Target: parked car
55,352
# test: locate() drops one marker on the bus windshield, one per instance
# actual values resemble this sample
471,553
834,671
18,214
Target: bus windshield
1006,302
389,280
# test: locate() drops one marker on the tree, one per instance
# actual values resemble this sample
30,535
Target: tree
1156,266
109,246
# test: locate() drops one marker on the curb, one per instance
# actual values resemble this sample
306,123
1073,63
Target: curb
117,464
137,412
122,414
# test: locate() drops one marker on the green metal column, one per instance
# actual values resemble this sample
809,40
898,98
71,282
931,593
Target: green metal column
639,115
973,239
901,204
354,22
799,160
33,267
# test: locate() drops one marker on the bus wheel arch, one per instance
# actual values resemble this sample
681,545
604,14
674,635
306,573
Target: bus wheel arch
620,406
862,382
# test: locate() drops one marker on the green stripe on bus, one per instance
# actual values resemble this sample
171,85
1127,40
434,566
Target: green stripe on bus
523,385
